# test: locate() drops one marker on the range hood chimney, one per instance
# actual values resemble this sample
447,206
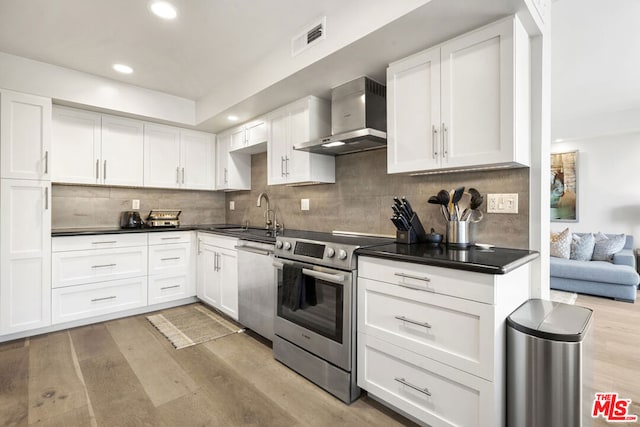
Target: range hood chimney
358,119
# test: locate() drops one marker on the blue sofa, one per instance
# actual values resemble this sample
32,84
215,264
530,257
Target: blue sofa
618,280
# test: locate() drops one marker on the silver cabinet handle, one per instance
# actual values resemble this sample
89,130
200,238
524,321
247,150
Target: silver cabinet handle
215,261
434,140
415,322
46,198
226,175
169,287
104,171
170,238
282,173
103,299
408,276
173,258
97,168
104,243
287,165
445,140
415,387
178,175
339,278
251,249
46,162
103,266
183,175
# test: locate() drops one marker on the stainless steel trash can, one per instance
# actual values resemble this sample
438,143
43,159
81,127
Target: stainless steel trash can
547,364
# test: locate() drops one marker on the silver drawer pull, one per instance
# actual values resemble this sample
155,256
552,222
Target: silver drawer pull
415,387
415,322
103,299
333,278
104,243
408,276
416,287
173,258
170,238
103,266
169,287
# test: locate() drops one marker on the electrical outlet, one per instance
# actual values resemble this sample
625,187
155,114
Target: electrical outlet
502,203
232,205
135,204
304,204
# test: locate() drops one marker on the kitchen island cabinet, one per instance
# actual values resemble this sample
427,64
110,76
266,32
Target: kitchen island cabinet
462,104
300,121
217,281
431,340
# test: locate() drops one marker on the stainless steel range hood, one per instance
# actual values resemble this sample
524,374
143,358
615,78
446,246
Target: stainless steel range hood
358,119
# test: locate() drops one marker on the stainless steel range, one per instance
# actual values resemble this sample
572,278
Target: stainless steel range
316,299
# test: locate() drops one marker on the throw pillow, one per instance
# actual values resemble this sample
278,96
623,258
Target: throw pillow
606,247
582,247
561,244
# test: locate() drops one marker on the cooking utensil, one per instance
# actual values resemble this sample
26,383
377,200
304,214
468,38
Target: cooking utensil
397,223
395,209
443,196
457,195
407,205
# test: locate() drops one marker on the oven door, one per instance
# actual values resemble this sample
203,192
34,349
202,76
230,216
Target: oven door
313,310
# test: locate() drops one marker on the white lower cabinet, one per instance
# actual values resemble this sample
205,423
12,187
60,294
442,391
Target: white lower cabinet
217,283
431,340
88,282
95,299
171,275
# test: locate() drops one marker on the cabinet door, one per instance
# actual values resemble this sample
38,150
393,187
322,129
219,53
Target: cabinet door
222,161
76,141
208,278
297,163
278,148
25,136
238,139
256,132
161,156
477,97
198,160
228,268
413,111
25,255
122,151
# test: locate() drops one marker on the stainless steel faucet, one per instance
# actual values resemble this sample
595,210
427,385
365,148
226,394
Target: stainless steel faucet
267,212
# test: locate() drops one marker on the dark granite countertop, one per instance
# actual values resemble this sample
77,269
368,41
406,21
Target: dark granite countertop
231,230
479,260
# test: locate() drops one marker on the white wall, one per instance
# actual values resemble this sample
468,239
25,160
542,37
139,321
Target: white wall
608,191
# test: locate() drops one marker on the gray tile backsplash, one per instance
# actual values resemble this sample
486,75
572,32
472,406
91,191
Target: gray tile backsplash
90,206
361,199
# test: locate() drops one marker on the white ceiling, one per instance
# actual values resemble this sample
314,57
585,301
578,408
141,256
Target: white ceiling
595,64
209,42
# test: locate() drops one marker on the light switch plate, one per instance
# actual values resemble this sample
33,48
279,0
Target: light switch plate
304,204
502,203
135,204
232,205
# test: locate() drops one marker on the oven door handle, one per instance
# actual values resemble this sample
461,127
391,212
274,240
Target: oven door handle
335,278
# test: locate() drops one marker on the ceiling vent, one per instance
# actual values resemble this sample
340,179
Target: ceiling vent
313,35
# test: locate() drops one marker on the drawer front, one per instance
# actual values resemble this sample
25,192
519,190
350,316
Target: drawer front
98,241
162,237
430,391
458,283
217,240
454,331
80,302
81,267
170,287
169,259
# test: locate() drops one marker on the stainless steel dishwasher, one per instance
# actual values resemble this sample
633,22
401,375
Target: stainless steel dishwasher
256,287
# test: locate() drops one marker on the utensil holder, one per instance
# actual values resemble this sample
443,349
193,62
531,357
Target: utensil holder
458,234
414,234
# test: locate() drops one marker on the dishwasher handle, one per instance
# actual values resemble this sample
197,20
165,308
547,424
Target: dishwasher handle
254,250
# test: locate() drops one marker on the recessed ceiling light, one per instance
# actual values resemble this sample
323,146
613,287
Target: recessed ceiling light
163,9
232,118
558,140
121,68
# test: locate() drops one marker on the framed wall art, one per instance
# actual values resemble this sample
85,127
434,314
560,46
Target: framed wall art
564,186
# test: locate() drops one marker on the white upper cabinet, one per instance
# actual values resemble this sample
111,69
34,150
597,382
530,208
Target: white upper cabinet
197,158
77,140
300,121
238,139
233,169
122,151
463,104
25,136
161,156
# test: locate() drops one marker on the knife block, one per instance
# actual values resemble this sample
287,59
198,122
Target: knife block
414,234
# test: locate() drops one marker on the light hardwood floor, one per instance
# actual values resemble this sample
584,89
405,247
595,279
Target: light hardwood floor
124,373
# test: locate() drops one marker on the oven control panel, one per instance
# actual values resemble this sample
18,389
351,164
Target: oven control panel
322,253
